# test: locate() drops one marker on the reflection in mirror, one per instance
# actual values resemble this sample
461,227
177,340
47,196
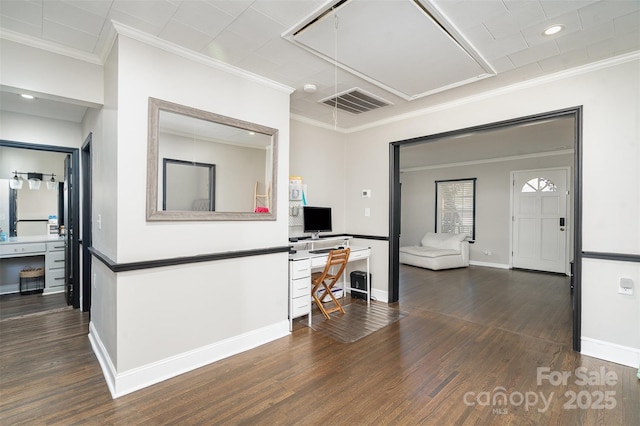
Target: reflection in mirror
188,186
213,167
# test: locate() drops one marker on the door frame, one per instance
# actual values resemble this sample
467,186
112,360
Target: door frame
568,207
86,222
75,204
395,201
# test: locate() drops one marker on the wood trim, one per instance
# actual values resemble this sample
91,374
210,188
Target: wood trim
153,214
620,257
158,263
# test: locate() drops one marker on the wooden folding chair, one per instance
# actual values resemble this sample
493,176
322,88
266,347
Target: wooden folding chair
327,279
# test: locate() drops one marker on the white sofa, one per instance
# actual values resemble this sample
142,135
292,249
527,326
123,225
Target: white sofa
437,251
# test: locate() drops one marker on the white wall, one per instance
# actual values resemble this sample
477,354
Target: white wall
318,156
172,319
493,203
53,75
611,181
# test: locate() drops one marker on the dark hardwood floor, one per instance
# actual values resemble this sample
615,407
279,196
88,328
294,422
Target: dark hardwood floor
16,304
470,337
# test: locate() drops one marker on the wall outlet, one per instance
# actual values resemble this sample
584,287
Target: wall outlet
487,252
626,286
367,211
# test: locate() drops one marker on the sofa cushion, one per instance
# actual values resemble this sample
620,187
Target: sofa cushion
429,251
443,241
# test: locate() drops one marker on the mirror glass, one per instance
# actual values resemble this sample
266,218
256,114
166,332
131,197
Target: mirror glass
204,166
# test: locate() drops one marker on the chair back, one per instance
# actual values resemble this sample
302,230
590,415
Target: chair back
338,257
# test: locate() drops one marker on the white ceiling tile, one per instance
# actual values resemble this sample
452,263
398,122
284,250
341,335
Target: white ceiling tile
232,7
67,15
491,48
229,47
565,60
628,42
554,8
585,38
512,22
629,23
203,17
468,13
534,34
534,54
23,11
286,12
502,64
605,11
135,22
96,7
183,35
9,23
253,25
68,36
157,12
602,50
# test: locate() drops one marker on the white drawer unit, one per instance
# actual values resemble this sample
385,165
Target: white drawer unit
54,265
299,289
24,249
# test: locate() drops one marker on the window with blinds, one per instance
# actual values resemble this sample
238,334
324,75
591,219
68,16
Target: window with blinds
456,207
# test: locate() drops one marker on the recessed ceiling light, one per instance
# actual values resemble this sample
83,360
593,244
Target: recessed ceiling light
26,96
554,29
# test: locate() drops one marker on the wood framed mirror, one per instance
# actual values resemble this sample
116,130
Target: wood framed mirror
221,162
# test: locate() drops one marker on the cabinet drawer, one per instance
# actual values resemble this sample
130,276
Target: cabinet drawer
301,287
55,260
55,278
55,246
300,269
300,306
22,248
360,254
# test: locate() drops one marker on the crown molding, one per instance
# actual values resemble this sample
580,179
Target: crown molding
49,46
173,48
490,160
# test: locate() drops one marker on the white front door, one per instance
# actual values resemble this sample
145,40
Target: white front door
540,222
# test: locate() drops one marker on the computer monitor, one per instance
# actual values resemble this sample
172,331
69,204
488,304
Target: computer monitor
316,220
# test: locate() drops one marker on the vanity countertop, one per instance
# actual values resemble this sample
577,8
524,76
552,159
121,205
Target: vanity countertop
32,239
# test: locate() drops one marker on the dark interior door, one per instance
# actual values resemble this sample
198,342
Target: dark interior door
71,223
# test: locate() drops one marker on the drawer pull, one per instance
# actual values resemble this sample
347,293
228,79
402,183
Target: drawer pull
59,278
62,260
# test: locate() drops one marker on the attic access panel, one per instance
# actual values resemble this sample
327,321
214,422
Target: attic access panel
396,45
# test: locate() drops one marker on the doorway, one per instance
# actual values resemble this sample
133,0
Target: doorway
71,208
574,114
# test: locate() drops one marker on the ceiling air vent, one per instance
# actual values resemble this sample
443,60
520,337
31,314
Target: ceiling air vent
355,101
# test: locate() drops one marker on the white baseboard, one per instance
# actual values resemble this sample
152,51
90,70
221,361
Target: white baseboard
612,352
380,295
489,265
132,380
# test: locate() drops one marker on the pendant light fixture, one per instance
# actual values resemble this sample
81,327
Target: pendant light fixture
51,184
35,179
16,181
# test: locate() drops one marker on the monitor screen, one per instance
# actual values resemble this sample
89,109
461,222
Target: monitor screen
316,219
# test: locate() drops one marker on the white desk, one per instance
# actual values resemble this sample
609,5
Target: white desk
301,264
50,247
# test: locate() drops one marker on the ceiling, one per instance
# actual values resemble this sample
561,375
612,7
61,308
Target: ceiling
386,48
